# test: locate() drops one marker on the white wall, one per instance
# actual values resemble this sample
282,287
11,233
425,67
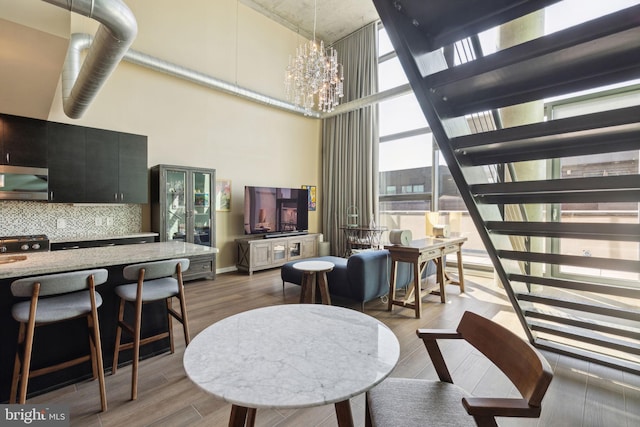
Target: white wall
247,143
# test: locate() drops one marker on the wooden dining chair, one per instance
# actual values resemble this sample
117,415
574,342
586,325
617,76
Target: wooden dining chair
56,298
417,402
155,281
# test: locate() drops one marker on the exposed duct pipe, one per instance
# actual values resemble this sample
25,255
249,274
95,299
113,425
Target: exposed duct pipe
80,84
80,42
210,82
117,31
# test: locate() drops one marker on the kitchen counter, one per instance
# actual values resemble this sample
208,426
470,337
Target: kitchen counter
38,263
61,341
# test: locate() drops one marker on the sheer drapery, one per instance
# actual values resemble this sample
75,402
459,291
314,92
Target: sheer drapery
350,142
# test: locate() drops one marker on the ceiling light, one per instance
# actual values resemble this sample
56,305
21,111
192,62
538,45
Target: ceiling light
314,75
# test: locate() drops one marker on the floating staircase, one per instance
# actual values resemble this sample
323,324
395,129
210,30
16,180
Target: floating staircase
561,302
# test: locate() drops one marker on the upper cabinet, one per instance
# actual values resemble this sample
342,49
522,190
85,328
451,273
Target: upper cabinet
23,141
88,165
67,163
133,175
101,175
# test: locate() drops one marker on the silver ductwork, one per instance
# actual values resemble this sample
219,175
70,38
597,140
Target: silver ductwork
210,82
81,42
117,31
82,81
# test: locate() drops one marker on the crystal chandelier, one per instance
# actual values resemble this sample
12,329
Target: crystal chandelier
313,74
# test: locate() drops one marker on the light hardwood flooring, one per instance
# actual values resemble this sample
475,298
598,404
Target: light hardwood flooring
581,394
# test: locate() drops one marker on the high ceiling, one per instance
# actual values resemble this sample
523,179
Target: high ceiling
335,18
37,69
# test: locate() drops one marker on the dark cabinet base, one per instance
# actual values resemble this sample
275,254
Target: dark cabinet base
64,340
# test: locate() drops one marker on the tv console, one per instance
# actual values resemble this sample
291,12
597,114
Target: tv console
285,234
262,252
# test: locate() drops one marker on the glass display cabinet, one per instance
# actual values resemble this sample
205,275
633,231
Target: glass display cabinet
183,209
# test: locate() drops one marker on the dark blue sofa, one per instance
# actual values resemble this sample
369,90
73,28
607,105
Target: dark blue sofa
362,277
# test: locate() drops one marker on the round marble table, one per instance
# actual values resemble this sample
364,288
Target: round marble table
314,273
291,356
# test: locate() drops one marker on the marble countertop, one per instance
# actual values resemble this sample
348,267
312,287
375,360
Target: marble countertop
38,263
291,356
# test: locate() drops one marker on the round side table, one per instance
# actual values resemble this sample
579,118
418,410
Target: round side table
314,273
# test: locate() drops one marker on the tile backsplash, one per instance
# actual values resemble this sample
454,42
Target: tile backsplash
68,221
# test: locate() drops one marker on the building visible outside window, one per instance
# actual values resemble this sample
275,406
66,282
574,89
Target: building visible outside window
427,194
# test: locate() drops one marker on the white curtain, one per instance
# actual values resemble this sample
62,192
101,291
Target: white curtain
350,142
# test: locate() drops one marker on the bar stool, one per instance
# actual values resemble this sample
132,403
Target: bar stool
156,281
56,298
314,273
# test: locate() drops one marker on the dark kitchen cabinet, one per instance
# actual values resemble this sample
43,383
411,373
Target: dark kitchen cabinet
88,165
133,175
102,166
67,163
23,141
116,167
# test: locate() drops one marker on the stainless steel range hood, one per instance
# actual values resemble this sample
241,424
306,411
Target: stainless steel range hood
23,183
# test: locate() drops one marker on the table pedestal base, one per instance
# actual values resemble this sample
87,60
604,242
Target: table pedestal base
246,417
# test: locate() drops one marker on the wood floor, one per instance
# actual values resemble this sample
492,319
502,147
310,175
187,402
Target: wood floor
581,394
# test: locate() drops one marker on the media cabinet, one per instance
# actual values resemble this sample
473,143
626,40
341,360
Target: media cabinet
257,253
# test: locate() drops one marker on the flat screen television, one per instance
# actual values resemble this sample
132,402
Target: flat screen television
272,211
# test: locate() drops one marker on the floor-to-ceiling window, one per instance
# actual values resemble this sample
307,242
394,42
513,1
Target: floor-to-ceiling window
415,194
416,189
613,164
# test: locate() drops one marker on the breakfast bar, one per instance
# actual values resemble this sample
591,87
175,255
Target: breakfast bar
58,341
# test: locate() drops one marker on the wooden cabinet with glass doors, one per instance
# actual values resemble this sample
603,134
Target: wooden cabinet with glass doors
183,209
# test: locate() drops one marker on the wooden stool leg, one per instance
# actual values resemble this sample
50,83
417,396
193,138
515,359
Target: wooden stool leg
183,311
116,352
324,288
28,345
17,364
136,346
96,354
26,363
170,324
305,292
312,288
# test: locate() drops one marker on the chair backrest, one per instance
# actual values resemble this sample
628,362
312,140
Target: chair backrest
60,283
527,369
155,269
